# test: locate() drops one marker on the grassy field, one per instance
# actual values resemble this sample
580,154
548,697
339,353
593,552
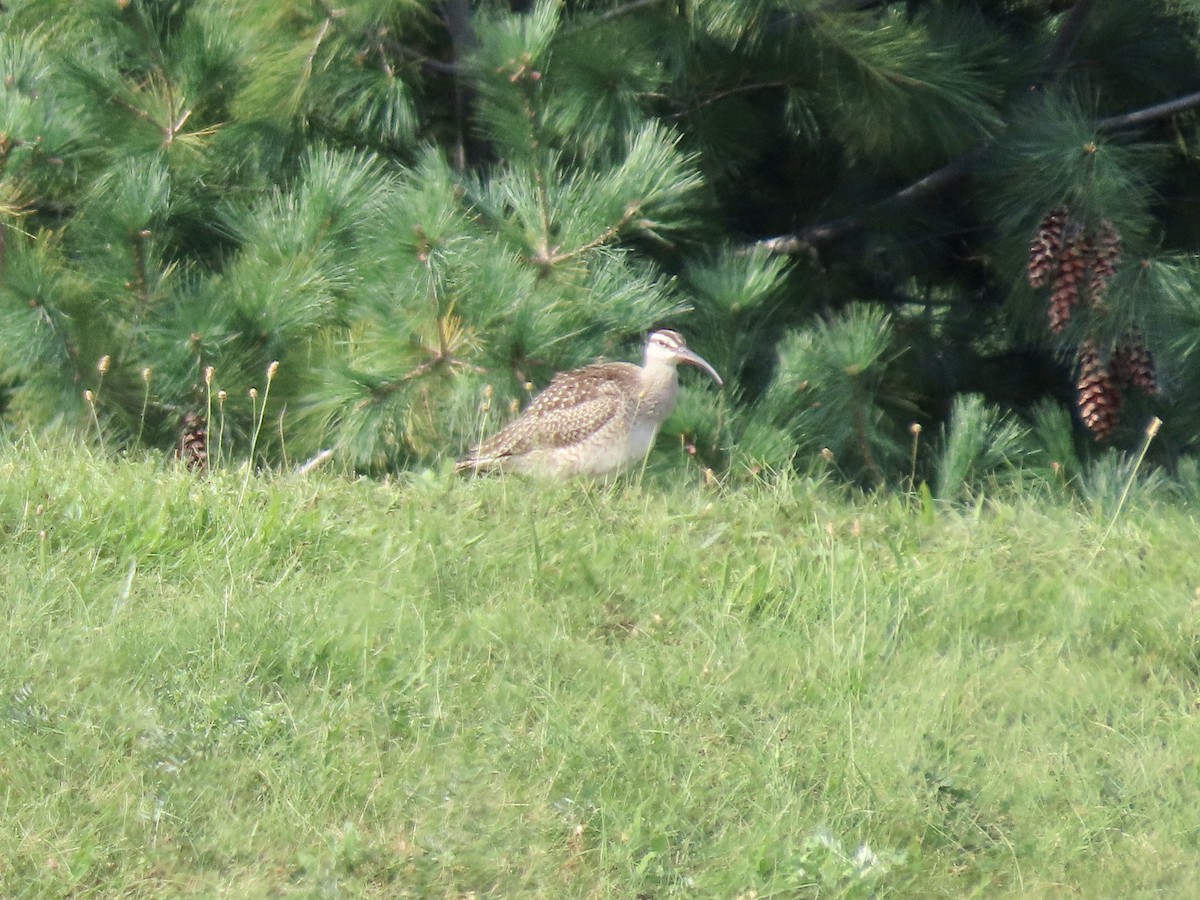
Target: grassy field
433,687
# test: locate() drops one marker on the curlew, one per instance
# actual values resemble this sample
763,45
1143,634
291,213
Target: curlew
592,421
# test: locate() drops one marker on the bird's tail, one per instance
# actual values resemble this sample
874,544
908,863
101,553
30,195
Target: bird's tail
476,465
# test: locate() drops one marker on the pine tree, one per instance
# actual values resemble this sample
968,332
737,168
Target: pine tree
857,210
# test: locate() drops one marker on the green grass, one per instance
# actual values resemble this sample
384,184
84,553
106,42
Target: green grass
439,687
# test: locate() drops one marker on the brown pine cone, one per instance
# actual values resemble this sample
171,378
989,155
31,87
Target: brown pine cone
193,442
1062,298
1097,394
1133,365
1105,254
1044,250
1064,291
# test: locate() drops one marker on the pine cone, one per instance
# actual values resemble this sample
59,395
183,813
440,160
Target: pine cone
1104,256
193,442
1064,292
1062,298
1097,394
1075,262
1047,242
1133,365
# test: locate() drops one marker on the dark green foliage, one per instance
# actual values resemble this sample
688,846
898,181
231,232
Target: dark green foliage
421,212
978,442
833,391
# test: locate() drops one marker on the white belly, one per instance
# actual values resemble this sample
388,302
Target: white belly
599,456
641,439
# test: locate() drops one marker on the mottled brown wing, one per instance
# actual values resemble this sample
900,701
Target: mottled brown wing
574,424
574,406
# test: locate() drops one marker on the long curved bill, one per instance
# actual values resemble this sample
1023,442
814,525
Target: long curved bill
687,356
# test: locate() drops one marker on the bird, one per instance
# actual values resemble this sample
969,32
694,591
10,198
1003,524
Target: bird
593,421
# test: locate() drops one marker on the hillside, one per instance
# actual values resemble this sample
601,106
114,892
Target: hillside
316,686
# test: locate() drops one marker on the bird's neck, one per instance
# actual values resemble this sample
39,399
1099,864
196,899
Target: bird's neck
660,385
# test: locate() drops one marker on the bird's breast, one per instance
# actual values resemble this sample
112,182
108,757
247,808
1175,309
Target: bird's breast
641,437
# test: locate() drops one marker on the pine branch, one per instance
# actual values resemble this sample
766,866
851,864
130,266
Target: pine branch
434,362
837,6
940,179
1150,113
728,92
543,208
808,238
427,63
864,446
326,24
457,16
1068,36
139,284
545,258
617,12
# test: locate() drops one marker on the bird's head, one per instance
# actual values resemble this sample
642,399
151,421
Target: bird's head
666,347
